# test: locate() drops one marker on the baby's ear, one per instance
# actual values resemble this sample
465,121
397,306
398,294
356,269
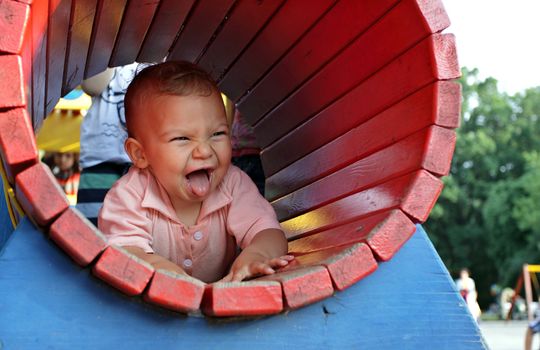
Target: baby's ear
135,151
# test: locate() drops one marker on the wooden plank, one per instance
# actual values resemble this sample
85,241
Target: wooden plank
136,21
58,28
242,299
430,149
39,194
123,271
12,93
17,142
370,52
432,59
166,25
414,193
106,25
80,31
27,57
279,35
13,21
242,25
436,104
385,233
201,25
40,24
303,286
346,265
176,292
342,24
77,236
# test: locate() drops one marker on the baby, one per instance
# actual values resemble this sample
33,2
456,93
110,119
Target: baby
182,206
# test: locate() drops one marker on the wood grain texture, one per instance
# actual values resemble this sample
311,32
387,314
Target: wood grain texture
40,22
242,25
414,193
80,31
12,93
123,271
430,149
303,286
13,22
166,25
346,265
278,36
339,27
77,236
106,25
175,292
17,143
39,194
242,299
374,95
136,21
384,232
351,68
58,28
204,20
436,104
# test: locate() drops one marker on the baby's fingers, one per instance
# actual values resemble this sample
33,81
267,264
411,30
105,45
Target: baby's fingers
281,261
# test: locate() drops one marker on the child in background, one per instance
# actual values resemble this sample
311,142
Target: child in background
182,206
65,168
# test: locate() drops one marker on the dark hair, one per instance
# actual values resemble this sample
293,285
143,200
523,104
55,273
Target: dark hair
177,78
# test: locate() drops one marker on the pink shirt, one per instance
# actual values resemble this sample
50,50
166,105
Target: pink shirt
137,212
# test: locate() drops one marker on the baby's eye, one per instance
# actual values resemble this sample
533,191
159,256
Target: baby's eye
180,138
219,133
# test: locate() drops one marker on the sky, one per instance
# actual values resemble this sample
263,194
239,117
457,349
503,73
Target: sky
499,37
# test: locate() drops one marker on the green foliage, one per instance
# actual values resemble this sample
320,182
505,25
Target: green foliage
488,216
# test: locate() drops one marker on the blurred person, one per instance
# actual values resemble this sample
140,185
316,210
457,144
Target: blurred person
467,289
65,168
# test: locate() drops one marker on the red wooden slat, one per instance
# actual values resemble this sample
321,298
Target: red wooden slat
84,12
13,21
432,59
202,23
430,149
393,34
248,17
303,286
40,23
384,232
77,236
346,265
414,193
242,299
17,142
436,104
135,23
345,21
166,24
106,25
285,28
39,194
176,292
12,93
123,270
59,20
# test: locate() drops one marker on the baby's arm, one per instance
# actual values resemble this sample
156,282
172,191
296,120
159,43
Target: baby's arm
157,261
266,252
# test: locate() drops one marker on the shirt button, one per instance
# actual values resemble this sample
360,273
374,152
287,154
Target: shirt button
188,263
198,235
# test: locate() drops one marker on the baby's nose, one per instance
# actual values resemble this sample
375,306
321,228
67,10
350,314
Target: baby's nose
203,150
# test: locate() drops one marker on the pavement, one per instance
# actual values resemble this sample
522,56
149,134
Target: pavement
502,335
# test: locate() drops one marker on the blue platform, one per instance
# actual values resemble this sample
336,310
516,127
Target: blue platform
48,302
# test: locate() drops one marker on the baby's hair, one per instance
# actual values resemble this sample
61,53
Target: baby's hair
177,78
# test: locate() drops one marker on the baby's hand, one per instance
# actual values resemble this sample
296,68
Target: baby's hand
251,264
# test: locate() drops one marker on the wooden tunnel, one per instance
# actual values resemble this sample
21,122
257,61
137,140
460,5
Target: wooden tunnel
352,103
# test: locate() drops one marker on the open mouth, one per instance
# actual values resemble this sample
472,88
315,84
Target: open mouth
199,181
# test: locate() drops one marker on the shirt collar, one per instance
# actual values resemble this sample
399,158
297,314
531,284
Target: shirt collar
155,197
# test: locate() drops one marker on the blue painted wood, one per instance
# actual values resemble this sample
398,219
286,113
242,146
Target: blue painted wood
46,301
6,228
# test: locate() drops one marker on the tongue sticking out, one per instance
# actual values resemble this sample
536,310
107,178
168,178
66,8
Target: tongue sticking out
200,183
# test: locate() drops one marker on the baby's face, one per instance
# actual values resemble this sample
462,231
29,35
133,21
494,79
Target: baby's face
186,143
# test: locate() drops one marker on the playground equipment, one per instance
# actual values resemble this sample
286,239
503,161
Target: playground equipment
353,105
